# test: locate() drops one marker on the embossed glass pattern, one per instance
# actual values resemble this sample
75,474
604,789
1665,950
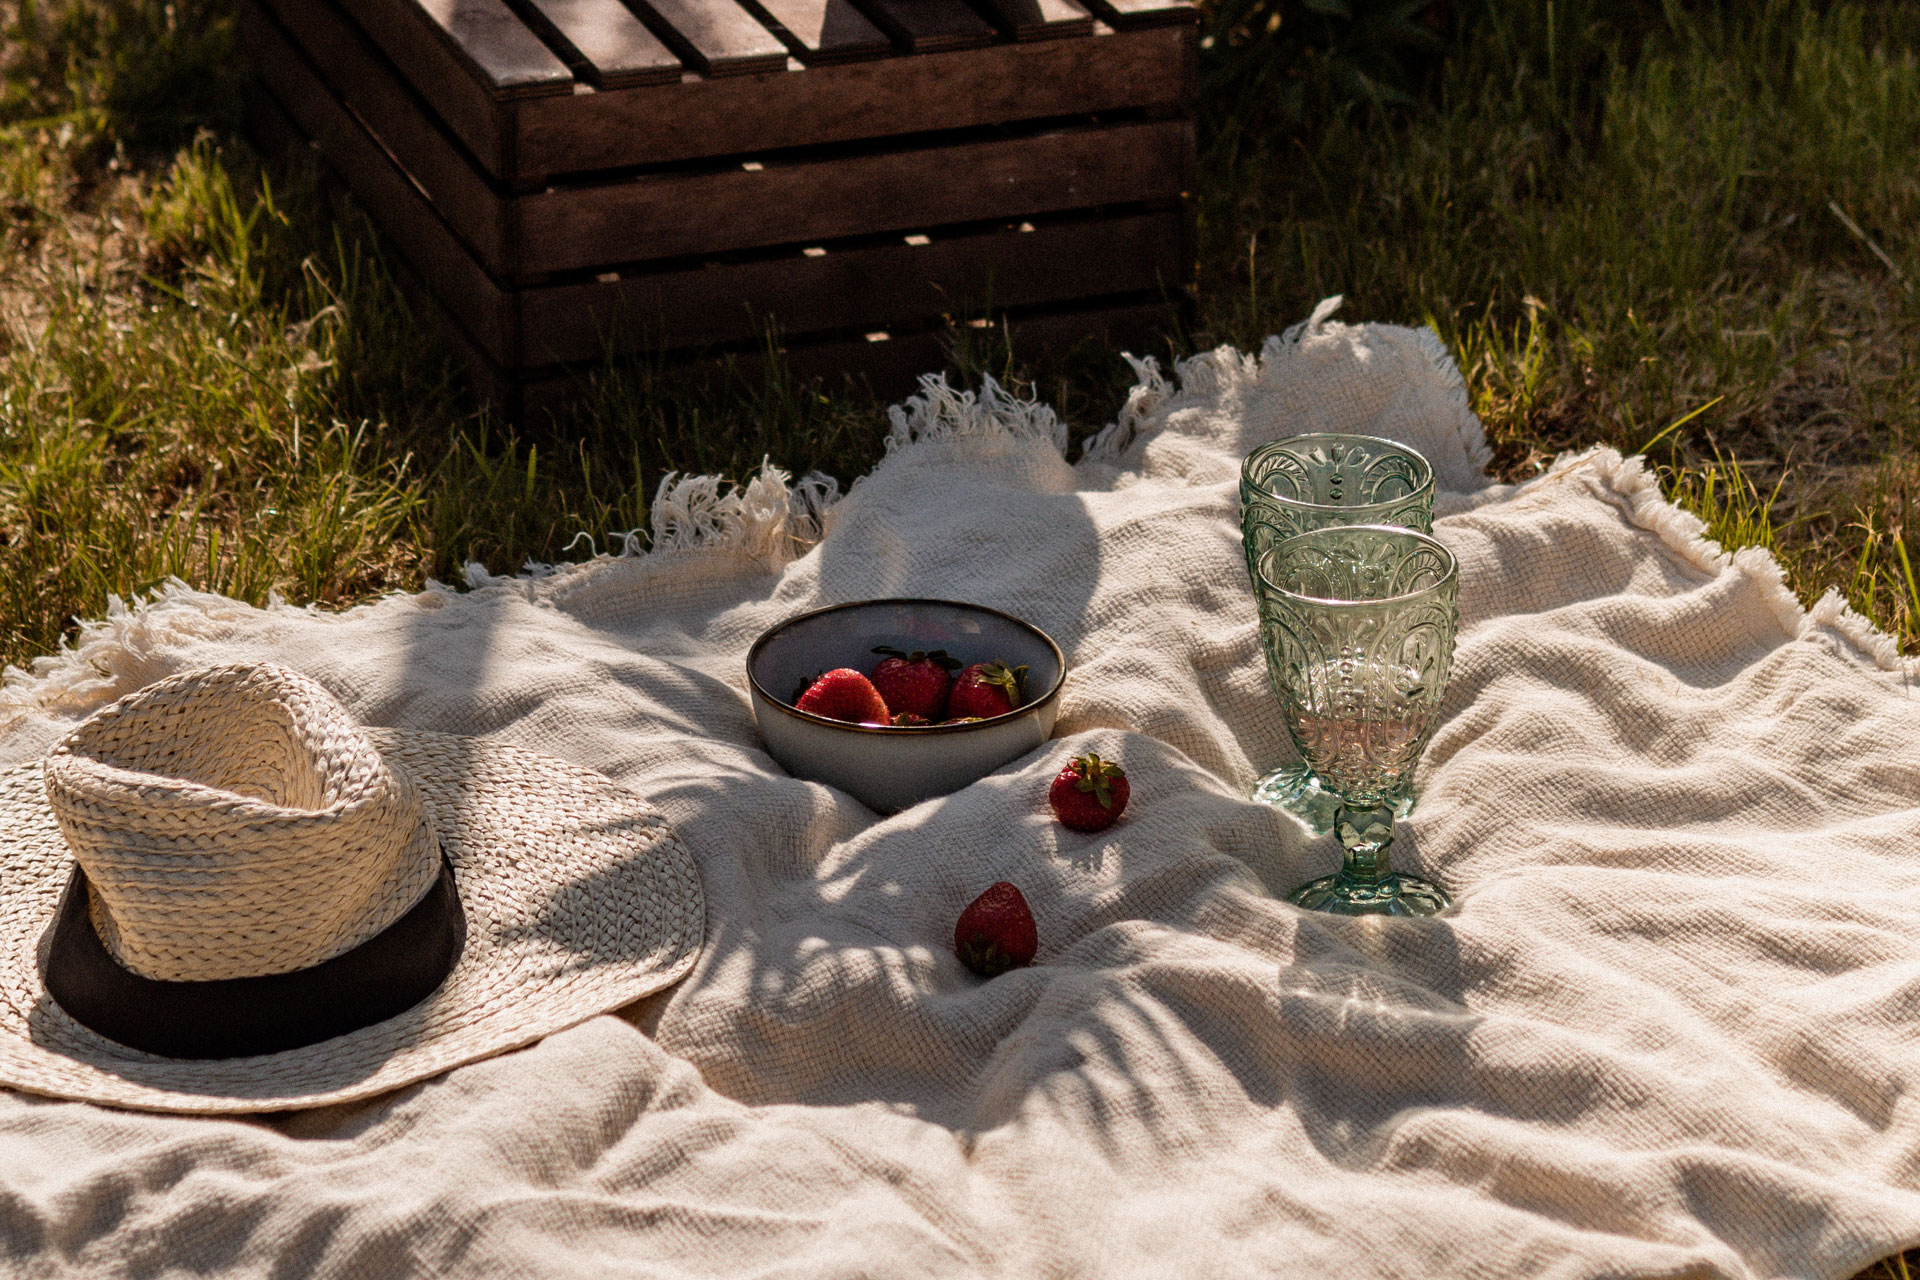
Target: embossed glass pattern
1313,481
1358,625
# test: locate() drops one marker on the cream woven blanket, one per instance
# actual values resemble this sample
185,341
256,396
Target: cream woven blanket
1672,1028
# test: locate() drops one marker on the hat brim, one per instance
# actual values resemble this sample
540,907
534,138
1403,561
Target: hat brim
579,900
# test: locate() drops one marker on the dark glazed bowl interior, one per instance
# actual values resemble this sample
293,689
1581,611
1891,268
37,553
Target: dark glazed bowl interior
790,656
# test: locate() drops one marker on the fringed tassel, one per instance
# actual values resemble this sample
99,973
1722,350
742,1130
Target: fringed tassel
940,413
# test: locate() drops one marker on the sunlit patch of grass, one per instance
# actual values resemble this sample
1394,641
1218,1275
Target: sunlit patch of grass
1689,232
1737,513
1620,218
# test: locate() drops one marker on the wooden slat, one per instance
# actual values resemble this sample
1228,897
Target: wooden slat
657,216
928,26
1041,19
871,286
372,89
1146,13
668,215
717,36
823,31
459,95
528,141
616,47
886,97
508,58
890,369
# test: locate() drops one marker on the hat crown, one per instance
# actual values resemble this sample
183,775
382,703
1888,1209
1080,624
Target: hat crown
236,822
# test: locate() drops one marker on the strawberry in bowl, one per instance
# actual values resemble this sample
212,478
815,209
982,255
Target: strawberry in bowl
913,742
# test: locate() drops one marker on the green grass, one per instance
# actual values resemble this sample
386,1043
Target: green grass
1616,228
1634,224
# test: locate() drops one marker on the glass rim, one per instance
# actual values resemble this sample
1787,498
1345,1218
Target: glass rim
1274,446
1452,574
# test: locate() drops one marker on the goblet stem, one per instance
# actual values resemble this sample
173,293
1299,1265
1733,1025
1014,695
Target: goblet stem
1366,883
1366,833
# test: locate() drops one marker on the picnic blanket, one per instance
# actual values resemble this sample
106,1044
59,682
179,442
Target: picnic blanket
1672,1027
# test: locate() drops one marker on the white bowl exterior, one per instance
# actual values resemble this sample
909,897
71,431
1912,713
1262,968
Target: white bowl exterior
889,772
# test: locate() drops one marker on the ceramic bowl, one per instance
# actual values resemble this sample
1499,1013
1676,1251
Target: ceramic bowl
889,769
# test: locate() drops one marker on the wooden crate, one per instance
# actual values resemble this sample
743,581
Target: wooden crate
571,178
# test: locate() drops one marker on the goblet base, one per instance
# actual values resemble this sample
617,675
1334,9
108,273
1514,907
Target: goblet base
1297,789
1396,894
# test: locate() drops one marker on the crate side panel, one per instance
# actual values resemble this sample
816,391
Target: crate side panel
868,287
892,369
886,97
396,206
372,89
676,214
459,96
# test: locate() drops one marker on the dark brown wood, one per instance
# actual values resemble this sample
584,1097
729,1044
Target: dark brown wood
886,97
615,47
667,215
1041,19
459,97
496,45
384,192
929,26
823,31
690,213
717,36
372,89
689,182
889,369
868,286
1146,13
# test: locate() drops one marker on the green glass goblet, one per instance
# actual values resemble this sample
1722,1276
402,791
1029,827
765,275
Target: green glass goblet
1311,482
1358,624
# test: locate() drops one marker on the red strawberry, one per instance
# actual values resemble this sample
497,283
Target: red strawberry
908,720
988,689
915,683
995,933
845,694
1089,793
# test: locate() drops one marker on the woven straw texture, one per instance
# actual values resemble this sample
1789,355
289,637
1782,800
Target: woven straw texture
578,899
236,822
1672,1028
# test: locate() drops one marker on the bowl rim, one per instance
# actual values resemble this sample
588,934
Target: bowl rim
1052,693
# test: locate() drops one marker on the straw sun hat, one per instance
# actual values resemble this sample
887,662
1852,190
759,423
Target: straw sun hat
220,894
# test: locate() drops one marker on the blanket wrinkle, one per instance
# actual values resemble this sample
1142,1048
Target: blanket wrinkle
1672,1027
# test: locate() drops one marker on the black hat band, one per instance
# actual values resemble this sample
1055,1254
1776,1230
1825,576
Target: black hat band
386,975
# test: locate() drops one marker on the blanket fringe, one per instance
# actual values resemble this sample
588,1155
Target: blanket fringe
1637,487
939,412
772,518
1210,374
83,668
